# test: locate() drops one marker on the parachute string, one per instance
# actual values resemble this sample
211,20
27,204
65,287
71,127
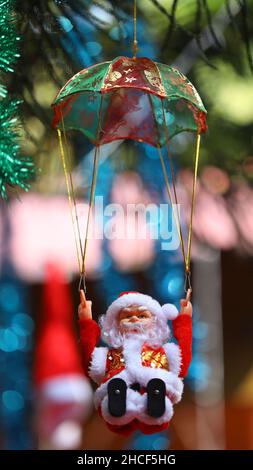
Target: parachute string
91,201
72,187
186,257
81,250
173,180
167,184
69,195
92,195
196,162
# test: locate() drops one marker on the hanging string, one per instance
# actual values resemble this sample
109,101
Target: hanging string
82,282
173,180
135,45
72,186
196,162
91,201
186,258
80,250
175,215
69,195
176,218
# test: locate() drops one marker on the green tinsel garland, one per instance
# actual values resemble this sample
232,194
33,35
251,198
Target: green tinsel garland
14,170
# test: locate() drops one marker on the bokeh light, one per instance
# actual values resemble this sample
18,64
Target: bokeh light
8,340
13,400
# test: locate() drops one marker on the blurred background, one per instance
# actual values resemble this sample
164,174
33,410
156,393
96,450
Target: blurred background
45,400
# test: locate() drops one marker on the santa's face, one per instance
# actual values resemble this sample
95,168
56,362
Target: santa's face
135,319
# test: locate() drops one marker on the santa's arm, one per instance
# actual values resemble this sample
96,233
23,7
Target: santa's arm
89,337
89,331
182,329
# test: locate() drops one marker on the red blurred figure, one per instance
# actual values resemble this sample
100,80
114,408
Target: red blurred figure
63,394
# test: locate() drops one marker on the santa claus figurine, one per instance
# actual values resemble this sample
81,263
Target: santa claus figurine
140,373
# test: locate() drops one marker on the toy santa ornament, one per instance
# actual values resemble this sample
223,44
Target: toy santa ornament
140,373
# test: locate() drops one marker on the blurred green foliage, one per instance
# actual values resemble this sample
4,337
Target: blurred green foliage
215,35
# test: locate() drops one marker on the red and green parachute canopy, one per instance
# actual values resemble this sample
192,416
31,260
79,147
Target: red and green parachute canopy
129,98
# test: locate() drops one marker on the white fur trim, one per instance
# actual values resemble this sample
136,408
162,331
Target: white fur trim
136,405
142,374
101,391
170,311
134,299
66,388
173,354
134,408
165,418
174,385
97,367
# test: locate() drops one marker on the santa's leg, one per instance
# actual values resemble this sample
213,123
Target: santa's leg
117,390
156,394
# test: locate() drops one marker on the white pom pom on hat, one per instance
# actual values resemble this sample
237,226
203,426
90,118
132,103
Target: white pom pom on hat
125,299
170,311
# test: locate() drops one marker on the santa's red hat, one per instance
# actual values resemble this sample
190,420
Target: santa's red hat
57,367
64,395
125,299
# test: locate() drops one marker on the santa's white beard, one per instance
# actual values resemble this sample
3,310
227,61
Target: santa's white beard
135,328
154,335
139,337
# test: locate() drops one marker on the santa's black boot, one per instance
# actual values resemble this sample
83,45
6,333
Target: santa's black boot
156,392
116,390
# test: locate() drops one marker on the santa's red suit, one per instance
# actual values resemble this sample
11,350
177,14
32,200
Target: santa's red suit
137,360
